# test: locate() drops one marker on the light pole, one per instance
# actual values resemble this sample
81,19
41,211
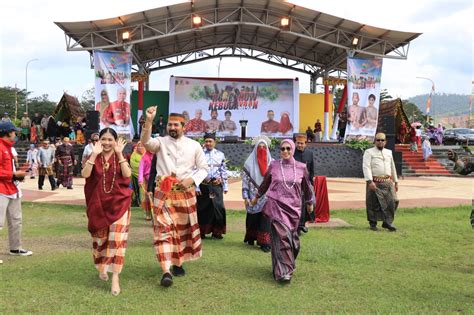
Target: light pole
428,103
26,83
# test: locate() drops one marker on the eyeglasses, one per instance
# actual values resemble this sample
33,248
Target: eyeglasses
283,149
380,140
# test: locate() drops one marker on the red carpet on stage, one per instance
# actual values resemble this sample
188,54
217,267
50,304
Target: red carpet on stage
322,200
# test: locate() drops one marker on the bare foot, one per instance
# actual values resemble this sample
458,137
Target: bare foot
115,285
104,276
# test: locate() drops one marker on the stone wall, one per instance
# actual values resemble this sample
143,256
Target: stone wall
331,160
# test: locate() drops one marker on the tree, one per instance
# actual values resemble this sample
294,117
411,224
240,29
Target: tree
413,112
41,104
8,95
88,99
384,96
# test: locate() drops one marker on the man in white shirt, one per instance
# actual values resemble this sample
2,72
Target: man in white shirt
88,148
180,167
382,184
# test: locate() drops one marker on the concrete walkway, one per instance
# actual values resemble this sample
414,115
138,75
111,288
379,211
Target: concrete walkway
344,193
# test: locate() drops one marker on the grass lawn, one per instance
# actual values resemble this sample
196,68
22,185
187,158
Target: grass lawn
426,267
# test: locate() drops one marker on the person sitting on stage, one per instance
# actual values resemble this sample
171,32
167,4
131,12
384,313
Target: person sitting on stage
210,198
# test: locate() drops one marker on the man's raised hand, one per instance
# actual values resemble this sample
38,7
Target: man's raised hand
151,113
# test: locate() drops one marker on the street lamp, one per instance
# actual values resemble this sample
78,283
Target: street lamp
428,102
26,83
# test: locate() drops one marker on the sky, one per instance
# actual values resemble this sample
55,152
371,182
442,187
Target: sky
444,52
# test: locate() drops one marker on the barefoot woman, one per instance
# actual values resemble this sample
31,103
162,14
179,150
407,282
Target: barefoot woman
107,191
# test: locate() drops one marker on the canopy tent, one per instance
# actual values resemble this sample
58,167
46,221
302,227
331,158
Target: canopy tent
68,109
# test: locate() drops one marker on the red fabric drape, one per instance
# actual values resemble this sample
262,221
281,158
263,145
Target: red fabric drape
321,210
262,160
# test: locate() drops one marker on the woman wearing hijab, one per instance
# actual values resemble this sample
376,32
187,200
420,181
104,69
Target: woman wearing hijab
107,192
285,128
426,146
284,184
135,159
255,168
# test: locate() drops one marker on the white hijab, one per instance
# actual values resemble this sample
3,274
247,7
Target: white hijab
251,164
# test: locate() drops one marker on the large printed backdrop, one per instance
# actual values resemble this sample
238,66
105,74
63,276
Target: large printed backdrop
112,90
363,76
271,106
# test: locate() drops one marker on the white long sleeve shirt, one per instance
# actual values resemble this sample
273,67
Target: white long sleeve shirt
182,156
378,163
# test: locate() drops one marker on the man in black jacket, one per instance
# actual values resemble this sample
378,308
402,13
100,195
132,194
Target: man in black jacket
305,156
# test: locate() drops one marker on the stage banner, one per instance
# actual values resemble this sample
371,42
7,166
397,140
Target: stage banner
363,84
270,106
112,90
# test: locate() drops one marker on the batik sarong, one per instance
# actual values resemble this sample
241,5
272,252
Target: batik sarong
382,203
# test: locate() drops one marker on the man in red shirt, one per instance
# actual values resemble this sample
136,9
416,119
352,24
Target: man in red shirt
10,194
118,112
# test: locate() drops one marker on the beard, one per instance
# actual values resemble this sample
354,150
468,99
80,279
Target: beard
173,134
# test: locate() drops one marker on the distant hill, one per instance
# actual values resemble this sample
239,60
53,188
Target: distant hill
443,104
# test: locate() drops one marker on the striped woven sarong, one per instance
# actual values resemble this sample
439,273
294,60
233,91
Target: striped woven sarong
176,235
109,245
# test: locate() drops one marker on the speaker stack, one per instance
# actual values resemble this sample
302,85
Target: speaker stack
389,128
92,123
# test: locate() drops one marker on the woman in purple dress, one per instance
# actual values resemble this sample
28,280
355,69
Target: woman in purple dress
284,184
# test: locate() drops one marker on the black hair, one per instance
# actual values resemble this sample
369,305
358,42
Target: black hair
227,112
4,133
372,96
109,130
270,110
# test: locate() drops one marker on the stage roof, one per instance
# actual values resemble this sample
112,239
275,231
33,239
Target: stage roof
315,42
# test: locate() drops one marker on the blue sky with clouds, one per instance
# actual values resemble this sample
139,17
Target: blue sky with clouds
443,53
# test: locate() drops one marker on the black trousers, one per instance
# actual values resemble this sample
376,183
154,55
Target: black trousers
51,181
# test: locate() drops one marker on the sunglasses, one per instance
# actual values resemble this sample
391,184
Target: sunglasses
283,149
380,140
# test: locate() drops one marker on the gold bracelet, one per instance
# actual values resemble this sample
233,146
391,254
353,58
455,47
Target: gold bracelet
123,161
90,162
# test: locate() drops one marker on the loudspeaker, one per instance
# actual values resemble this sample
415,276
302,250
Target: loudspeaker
92,120
397,158
389,125
231,139
390,143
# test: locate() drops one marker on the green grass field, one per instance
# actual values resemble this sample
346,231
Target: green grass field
426,267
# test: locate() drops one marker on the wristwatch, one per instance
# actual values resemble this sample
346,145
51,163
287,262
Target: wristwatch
369,182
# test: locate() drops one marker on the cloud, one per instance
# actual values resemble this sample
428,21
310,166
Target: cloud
444,52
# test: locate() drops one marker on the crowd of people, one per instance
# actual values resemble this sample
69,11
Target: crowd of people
181,186
41,127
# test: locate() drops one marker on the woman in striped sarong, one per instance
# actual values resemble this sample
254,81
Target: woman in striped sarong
107,192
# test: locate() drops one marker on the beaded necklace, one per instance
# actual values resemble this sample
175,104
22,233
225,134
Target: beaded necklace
283,175
105,167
